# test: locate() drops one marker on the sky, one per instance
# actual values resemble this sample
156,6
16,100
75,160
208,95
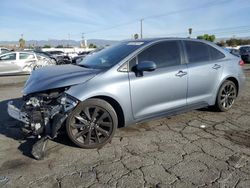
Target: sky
120,19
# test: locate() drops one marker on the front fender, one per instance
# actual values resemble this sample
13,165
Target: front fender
115,87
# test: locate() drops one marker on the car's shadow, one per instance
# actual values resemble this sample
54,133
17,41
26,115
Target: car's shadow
11,128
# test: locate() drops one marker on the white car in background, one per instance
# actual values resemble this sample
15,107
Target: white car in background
4,50
22,62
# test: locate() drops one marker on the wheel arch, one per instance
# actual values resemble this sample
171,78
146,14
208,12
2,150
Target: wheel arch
117,107
234,80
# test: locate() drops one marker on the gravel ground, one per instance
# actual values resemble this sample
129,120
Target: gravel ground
196,149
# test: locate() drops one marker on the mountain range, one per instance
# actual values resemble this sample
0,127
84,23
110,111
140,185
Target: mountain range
97,42
55,42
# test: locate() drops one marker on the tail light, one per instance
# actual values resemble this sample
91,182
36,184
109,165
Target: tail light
241,63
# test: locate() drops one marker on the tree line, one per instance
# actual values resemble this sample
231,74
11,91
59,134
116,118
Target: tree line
234,42
229,42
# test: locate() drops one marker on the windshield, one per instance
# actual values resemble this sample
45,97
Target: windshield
110,56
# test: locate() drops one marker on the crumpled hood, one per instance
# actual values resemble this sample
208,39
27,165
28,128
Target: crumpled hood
56,77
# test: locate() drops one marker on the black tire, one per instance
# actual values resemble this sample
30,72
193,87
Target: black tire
92,124
226,96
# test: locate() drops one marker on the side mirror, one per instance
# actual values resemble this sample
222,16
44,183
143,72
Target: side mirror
146,66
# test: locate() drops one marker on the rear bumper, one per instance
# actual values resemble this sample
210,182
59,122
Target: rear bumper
16,113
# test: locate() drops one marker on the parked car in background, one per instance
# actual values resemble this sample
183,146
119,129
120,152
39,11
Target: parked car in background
130,82
245,53
60,56
45,54
45,58
77,59
82,55
22,62
4,50
71,55
233,51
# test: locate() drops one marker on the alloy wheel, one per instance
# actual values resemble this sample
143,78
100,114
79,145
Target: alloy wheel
90,126
228,95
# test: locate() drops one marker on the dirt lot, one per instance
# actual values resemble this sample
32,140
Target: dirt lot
197,149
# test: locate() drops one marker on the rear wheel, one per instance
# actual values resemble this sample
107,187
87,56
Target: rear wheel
92,123
226,96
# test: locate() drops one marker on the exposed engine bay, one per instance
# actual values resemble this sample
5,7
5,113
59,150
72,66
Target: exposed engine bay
43,114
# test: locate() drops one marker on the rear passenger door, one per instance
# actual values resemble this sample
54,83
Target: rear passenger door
163,89
205,65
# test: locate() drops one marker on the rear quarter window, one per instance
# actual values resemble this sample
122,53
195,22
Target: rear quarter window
215,54
26,56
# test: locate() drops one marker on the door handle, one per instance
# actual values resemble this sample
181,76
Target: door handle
181,73
216,66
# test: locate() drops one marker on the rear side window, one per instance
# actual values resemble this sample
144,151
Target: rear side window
164,54
26,56
197,52
200,52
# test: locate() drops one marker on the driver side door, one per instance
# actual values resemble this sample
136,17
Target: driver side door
162,90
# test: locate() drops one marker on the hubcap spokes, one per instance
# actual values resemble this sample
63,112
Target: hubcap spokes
228,96
92,125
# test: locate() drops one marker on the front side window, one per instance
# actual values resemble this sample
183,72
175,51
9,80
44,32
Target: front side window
8,57
26,56
164,54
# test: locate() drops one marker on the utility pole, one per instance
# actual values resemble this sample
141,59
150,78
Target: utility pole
82,45
68,39
141,26
190,32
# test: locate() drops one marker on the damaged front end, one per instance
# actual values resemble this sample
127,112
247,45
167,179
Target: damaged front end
43,114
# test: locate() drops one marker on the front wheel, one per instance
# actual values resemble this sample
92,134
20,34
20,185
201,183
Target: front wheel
226,96
92,123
